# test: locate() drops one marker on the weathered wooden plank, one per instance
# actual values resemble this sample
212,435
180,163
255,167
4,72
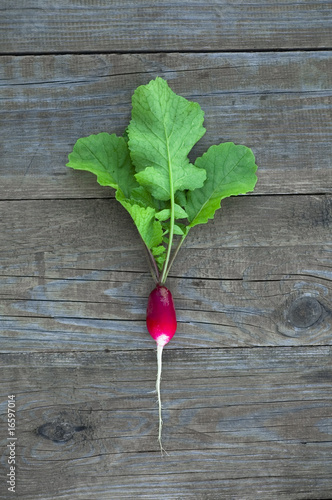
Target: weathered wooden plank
259,274
276,103
88,227
163,25
253,422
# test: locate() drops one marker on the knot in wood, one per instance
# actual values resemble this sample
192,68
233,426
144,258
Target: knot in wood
304,312
59,432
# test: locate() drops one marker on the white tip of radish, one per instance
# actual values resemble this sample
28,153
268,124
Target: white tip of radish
162,340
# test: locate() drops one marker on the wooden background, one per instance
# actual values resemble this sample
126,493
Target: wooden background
247,380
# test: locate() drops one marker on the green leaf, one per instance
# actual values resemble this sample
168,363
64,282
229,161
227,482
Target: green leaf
142,196
158,250
144,219
154,180
179,213
180,198
107,156
159,254
160,259
230,171
163,129
163,214
178,229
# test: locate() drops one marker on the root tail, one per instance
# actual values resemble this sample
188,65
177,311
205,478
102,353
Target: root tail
159,361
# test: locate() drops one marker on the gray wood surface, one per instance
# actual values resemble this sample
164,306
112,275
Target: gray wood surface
250,423
236,281
279,104
128,25
246,384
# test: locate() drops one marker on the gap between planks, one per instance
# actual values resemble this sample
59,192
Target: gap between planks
275,50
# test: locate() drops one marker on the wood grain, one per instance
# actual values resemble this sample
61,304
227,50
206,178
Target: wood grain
277,104
127,25
259,274
253,420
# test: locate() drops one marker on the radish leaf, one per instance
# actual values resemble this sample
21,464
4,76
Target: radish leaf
155,182
144,217
230,171
163,129
165,214
108,157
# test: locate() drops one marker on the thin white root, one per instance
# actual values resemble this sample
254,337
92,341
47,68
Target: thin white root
159,361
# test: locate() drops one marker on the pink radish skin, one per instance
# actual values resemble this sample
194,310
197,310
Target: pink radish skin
161,324
160,315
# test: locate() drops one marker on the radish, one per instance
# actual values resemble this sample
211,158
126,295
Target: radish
165,194
161,324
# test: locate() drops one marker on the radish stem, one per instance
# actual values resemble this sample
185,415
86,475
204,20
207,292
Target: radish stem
175,254
152,265
172,217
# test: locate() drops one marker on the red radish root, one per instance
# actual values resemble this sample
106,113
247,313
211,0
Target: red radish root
161,324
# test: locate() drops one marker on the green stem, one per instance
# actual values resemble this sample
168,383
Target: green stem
175,254
152,264
171,226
